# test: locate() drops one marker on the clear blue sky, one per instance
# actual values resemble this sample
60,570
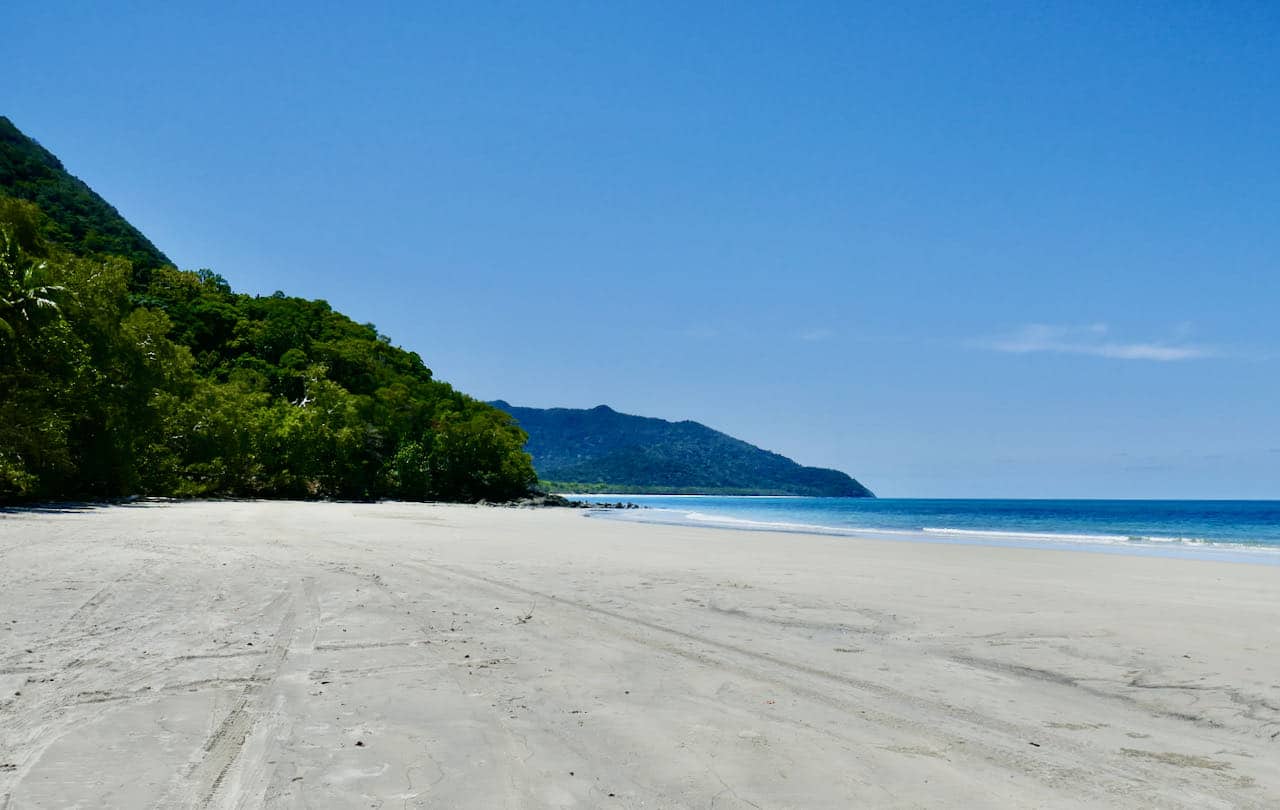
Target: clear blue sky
955,249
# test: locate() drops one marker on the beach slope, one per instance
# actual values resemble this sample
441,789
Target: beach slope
291,655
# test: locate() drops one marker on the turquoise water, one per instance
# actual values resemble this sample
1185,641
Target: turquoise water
1243,530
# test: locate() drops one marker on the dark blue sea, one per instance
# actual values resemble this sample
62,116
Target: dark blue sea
1232,530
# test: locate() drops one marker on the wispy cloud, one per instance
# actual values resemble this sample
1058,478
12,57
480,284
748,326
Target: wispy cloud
701,331
1094,340
816,335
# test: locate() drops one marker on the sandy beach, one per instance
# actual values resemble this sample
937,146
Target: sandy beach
312,655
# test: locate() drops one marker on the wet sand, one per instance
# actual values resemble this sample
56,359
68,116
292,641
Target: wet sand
291,655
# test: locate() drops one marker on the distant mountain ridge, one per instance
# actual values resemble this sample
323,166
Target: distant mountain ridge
601,449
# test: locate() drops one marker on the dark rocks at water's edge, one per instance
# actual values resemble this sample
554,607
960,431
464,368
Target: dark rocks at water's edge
540,500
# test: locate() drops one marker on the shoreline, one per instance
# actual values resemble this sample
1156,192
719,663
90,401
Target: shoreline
1258,552
284,654
1206,550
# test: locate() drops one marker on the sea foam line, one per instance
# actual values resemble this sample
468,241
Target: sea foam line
1065,536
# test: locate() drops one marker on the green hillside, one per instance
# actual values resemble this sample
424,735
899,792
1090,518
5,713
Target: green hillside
601,450
76,218
121,375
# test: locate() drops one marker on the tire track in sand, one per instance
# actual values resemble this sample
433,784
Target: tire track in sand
202,785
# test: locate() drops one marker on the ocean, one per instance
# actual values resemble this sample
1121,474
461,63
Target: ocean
1246,531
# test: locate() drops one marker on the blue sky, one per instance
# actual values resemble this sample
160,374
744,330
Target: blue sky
953,249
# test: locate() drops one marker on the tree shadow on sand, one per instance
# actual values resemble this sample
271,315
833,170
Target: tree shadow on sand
82,507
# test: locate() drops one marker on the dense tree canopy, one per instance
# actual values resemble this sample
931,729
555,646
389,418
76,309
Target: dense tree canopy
117,380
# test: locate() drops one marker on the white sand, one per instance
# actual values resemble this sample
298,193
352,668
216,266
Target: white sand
339,655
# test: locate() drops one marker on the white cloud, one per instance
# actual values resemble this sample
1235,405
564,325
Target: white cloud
1093,340
701,332
815,335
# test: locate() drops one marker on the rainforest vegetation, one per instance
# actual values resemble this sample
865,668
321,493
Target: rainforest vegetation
121,375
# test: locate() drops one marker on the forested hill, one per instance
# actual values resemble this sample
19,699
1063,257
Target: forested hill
602,450
122,375
76,218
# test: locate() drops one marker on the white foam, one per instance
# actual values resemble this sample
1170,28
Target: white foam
1064,537
1060,537
703,517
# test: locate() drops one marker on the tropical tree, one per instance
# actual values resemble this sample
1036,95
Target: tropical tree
25,291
